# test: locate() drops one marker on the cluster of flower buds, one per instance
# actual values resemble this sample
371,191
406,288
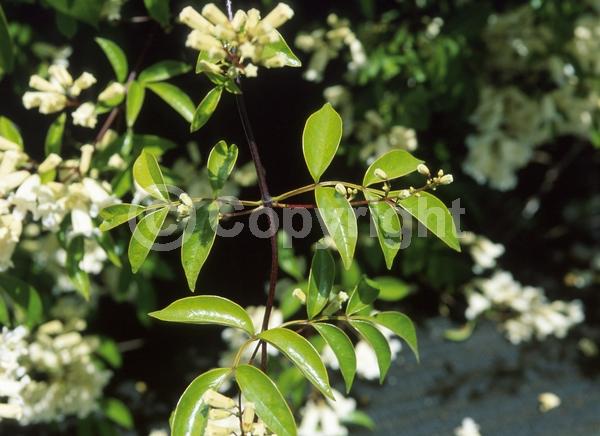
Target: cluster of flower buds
53,95
225,417
185,207
440,179
349,193
238,46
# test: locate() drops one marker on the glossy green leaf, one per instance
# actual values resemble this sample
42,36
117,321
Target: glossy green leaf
359,418
117,412
321,139
320,282
6,46
343,349
10,131
144,236
159,10
221,161
206,309
175,98
4,316
391,288
116,57
388,228
370,334
163,70
402,326
206,108
135,100
54,137
433,213
191,414
152,144
79,278
198,239
302,354
27,304
340,221
395,163
118,214
147,174
280,47
270,405
362,296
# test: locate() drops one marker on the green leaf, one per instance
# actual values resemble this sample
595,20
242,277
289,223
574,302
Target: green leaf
109,351
152,144
79,278
25,298
320,282
175,98
288,262
363,295
118,214
280,47
433,213
116,57
66,25
206,108
191,413
359,418
391,288
206,309
54,136
221,161
83,10
198,239
388,228
302,354
159,10
117,411
6,46
4,316
461,333
378,342
163,70
135,99
148,175
395,163
270,405
343,349
321,139
10,131
143,237
401,325
340,221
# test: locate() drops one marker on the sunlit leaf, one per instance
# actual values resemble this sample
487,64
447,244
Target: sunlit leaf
147,174
163,70
401,325
221,161
321,139
206,108
116,57
378,342
320,282
362,296
10,131
134,102
54,137
118,214
395,163
144,236
387,225
175,98
280,47
343,349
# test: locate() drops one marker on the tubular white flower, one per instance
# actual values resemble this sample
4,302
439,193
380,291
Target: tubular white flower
86,158
446,179
205,42
251,70
51,162
278,16
40,84
192,18
277,61
423,170
380,174
252,20
217,400
215,15
239,20
82,83
85,115
61,75
112,92
8,182
5,144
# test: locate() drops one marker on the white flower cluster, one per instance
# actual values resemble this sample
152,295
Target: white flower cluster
50,374
510,122
366,360
235,338
529,313
324,417
225,417
326,45
24,193
468,427
237,46
483,251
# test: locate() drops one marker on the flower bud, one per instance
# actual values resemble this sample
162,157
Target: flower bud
277,16
215,399
446,179
191,18
380,174
248,417
186,199
215,15
112,92
300,295
341,189
86,158
43,85
252,20
239,19
217,414
49,163
82,82
423,170
440,173
251,70
61,75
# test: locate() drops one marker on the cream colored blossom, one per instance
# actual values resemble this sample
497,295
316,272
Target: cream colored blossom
85,115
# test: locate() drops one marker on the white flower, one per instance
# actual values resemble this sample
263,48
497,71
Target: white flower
477,305
548,401
112,92
10,233
85,115
323,417
93,258
468,428
484,253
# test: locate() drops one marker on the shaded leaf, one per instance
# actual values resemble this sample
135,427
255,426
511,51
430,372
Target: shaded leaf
25,298
135,100
116,57
320,282
6,46
206,309
9,130
117,412
198,239
362,296
159,10
118,214
340,221
321,139
387,225
53,142
206,108
163,70
302,354
79,278
370,334
401,325
343,349
221,161
175,98
270,405
144,236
